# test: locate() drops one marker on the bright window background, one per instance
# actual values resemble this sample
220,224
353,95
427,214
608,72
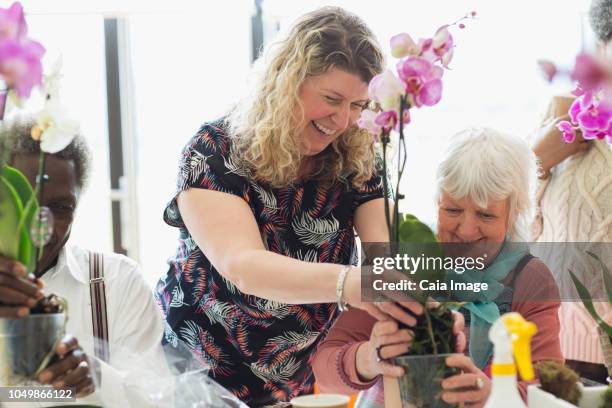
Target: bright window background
189,62
184,74
79,40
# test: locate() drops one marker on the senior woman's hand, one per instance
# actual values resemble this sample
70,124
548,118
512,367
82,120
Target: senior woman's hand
389,340
472,386
386,341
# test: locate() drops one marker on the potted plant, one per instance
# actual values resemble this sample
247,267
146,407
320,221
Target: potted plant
417,82
433,341
560,386
27,344
605,329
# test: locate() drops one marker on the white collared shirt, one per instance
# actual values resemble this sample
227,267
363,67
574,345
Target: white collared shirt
135,321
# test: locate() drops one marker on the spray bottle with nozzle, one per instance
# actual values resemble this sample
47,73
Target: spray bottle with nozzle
510,334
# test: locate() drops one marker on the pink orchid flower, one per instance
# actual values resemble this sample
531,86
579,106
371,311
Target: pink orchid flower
588,72
386,120
402,46
567,130
575,109
20,65
12,23
386,89
425,47
440,48
422,80
595,120
448,57
443,45
389,120
367,121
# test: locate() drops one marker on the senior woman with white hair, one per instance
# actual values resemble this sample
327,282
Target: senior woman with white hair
485,196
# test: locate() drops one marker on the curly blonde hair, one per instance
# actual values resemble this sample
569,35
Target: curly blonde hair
263,126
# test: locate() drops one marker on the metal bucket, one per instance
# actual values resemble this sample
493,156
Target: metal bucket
25,344
420,386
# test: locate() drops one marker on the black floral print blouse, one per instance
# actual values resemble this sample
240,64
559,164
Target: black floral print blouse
256,348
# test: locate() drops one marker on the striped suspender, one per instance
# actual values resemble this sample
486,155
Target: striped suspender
98,305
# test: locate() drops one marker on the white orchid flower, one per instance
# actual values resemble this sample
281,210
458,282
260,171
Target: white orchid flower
53,127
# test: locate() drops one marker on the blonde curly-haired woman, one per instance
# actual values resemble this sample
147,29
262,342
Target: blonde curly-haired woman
267,201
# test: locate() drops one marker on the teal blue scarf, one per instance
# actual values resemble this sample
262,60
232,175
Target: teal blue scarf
483,310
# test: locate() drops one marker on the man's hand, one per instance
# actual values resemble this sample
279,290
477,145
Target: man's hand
18,292
71,371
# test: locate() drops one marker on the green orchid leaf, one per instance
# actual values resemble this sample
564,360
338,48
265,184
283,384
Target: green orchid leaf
27,254
24,190
607,278
412,230
11,212
19,182
588,304
419,241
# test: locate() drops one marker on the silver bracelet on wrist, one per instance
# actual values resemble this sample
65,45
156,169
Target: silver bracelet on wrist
343,306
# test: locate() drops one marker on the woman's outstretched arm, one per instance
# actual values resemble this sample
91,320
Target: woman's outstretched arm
224,228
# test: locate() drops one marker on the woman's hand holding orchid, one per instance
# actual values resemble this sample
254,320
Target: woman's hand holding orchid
402,309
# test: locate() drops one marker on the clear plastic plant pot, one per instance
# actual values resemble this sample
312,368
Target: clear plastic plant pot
420,385
27,344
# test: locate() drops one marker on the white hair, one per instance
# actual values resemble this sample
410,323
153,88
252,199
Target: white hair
485,165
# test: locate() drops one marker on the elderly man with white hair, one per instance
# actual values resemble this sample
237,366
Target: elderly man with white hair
485,196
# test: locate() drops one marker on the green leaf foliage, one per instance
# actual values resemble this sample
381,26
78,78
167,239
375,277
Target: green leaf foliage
607,278
11,211
418,240
586,298
412,230
17,209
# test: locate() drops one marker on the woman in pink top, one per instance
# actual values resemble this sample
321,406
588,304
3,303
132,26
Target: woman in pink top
484,186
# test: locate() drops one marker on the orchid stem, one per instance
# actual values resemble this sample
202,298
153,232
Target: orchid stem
385,141
401,158
39,193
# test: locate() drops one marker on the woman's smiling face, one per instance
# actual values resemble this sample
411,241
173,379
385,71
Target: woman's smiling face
462,221
332,103
478,230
